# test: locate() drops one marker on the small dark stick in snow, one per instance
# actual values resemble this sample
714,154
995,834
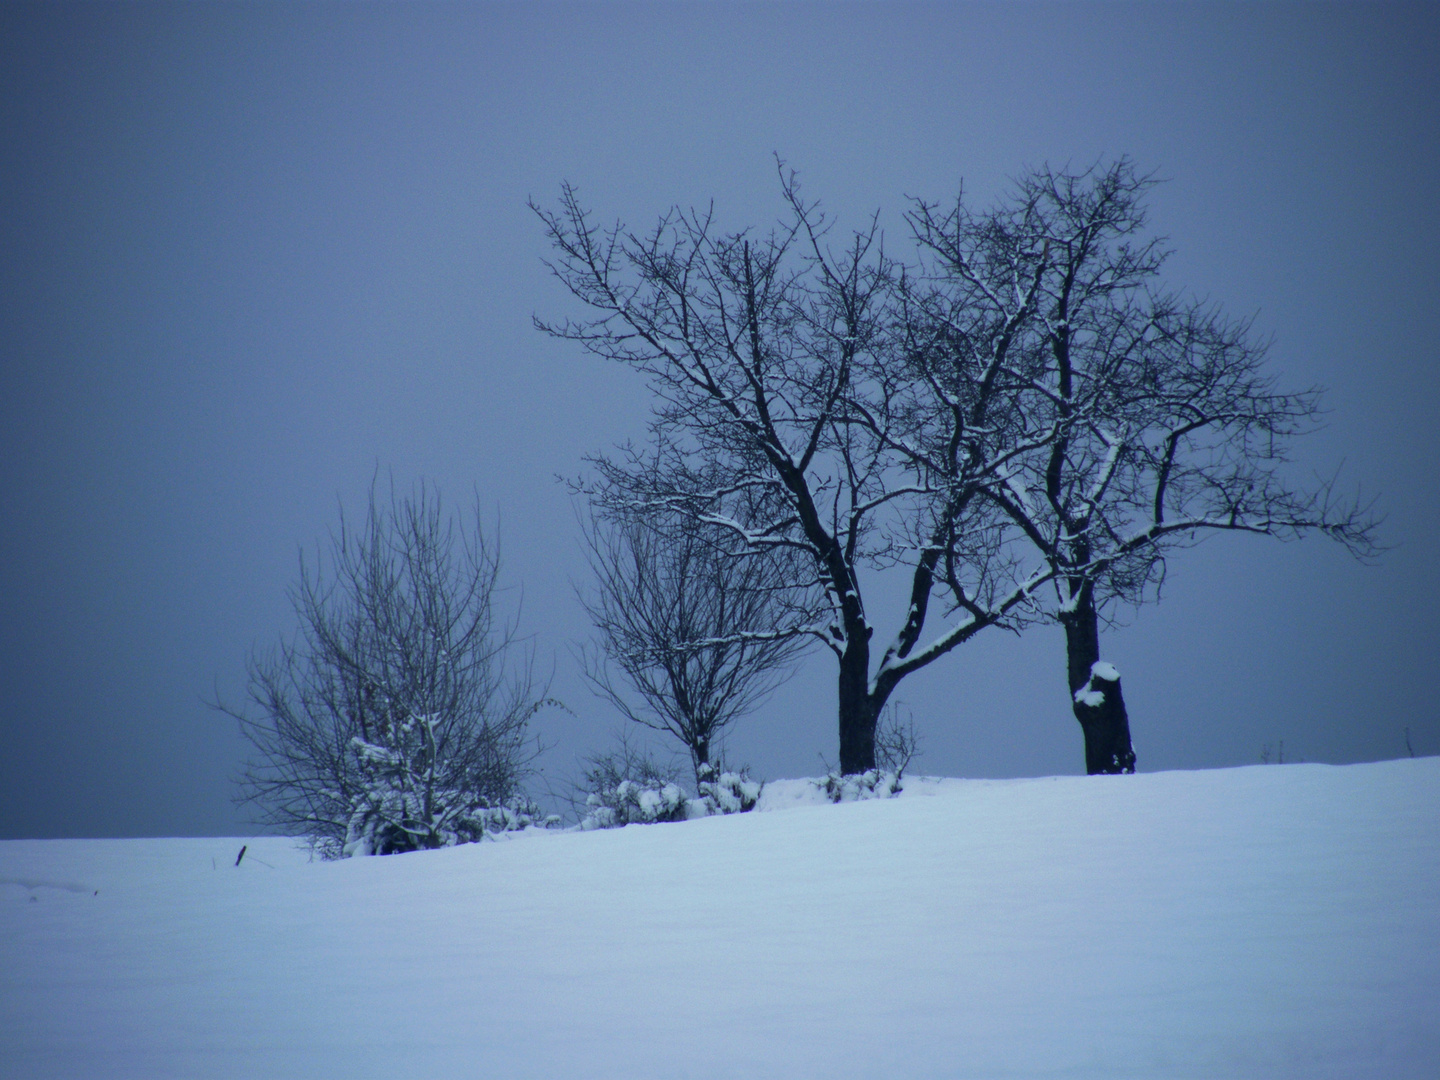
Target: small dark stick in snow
241,855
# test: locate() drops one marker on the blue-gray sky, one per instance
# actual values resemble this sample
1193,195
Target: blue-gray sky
249,253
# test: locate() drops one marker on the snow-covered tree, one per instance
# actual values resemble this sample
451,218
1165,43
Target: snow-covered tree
686,628
397,718
774,359
1162,424
1022,412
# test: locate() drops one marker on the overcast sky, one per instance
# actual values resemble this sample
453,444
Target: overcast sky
250,253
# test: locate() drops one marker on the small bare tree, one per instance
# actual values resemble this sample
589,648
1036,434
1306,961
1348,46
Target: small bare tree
396,719
700,633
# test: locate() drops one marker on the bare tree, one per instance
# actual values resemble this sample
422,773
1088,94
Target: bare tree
795,428
691,625
1164,426
397,718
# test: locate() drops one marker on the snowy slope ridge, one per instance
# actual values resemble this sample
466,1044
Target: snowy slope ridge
1279,921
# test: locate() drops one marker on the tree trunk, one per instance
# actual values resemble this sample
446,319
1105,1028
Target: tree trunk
858,712
700,753
1095,693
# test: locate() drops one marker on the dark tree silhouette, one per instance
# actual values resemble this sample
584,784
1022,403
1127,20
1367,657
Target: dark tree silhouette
1165,426
698,632
1023,410
795,427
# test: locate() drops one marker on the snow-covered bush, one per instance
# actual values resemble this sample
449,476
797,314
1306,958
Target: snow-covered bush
627,787
859,786
729,793
896,745
398,717
397,811
394,823
634,802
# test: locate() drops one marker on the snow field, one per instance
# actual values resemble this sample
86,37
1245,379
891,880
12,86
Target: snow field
1256,922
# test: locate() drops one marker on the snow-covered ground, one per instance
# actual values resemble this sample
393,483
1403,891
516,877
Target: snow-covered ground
1279,921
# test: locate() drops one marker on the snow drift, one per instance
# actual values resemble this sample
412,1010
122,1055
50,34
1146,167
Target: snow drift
1256,922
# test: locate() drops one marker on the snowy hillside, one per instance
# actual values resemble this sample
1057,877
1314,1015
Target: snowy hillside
1278,921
